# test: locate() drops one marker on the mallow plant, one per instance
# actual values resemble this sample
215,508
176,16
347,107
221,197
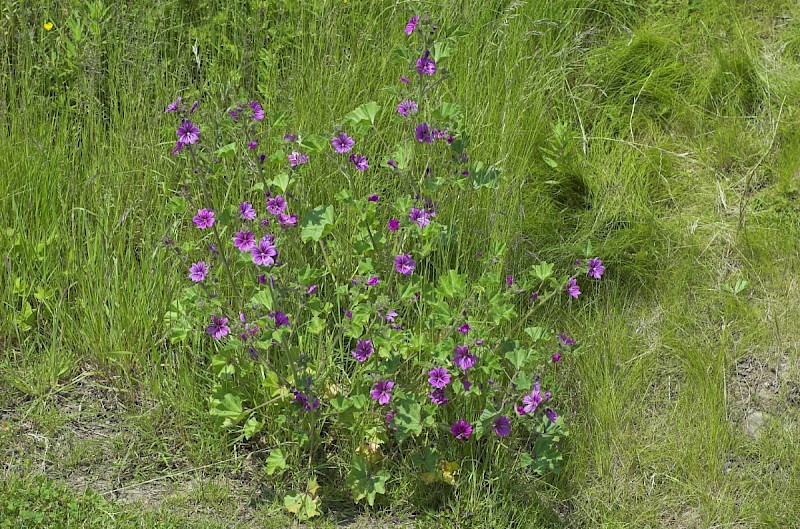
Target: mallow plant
343,335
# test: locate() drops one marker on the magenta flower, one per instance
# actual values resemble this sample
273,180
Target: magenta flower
596,268
373,198
439,377
461,430
287,220
502,426
566,339
342,143
172,107
556,358
258,112
281,320
423,133
464,329
404,79
404,264
246,211
551,414
198,271
363,350
204,218
359,161
572,288
311,290
372,281
509,281
393,225
296,159
406,107
420,216
218,328
188,133
244,240
391,315
462,357
438,397
276,205
412,24
382,391
178,148
389,417
530,402
290,137
264,253
426,65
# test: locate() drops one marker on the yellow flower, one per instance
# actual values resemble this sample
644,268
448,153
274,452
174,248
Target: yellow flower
48,26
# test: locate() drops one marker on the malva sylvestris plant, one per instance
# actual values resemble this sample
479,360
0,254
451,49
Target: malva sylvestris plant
344,329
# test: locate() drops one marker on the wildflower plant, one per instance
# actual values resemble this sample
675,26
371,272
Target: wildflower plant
331,321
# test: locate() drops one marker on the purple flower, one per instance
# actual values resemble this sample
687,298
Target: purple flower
404,264
412,24
372,281
281,320
509,281
406,107
479,341
363,350
530,402
204,218
502,426
276,205
244,240
464,329
462,357
359,161
556,357
404,79
258,112
420,216
373,198
178,148
382,391
218,328
391,315
461,430
188,133
194,107
391,163
426,65
439,377
596,268
287,220
311,290
438,397
198,271
234,116
572,288
423,133
252,145
389,417
246,211
290,137
264,253
342,143
551,414
172,107
296,158
465,383
394,224
261,279
566,339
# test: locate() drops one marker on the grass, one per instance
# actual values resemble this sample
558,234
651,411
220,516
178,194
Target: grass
677,158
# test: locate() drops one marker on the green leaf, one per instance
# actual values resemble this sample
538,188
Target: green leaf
301,504
176,205
276,462
537,334
314,144
226,151
408,420
264,298
543,271
363,115
365,484
452,284
252,427
517,357
281,181
316,223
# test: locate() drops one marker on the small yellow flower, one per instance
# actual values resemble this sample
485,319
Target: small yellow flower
48,26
